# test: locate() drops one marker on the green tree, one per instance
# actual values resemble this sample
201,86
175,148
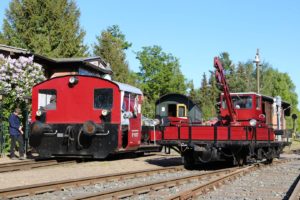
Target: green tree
275,83
229,68
47,27
204,98
209,95
111,46
159,74
192,91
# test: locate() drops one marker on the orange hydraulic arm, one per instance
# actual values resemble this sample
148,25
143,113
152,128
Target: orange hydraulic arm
220,76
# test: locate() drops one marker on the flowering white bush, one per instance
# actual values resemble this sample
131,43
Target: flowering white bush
17,76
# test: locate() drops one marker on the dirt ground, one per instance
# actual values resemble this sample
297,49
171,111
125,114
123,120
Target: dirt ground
120,163
294,146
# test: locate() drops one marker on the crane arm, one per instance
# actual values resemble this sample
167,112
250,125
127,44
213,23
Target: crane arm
220,77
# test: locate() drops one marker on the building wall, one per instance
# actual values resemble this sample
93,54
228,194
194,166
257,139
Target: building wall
282,119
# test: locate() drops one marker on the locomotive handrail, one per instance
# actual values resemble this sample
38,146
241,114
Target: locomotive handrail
51,134
103,133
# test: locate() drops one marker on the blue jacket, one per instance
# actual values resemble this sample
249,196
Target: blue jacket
14,124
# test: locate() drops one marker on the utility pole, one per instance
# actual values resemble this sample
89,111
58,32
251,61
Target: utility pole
257,62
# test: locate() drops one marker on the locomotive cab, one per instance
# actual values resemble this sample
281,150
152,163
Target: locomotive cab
255,109
248,107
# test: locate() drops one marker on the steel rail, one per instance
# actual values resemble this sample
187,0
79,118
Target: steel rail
295,195
29,164
59,185
146,188
202,188
205,187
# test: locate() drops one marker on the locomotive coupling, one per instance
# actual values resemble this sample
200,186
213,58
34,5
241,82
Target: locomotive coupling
90,128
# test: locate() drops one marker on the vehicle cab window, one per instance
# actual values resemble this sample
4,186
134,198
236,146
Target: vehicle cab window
103,98
130,103
242,102
47,99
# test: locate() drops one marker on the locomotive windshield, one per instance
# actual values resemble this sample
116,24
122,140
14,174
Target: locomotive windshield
103,98
47,99
240,102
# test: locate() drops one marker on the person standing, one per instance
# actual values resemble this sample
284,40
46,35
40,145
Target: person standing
16,134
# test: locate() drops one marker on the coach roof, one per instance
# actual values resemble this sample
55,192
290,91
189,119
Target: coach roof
128,88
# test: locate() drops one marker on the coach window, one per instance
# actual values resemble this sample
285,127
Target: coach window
103,98
181,110
130,103
47,99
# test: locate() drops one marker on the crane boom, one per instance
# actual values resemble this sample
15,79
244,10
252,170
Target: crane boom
220,77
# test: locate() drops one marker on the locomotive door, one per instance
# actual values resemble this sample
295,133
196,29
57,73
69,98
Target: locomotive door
131,121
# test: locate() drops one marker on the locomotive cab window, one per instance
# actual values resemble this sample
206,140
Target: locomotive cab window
103,98
240,102
47,99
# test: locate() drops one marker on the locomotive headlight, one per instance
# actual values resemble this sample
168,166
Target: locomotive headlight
253,122
104,112
39,113
73,80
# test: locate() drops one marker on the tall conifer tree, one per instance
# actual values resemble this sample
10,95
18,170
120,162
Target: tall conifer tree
111,46
47,27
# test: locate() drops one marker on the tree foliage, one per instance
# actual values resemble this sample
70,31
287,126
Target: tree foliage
111,46
17,77
47,27
159,74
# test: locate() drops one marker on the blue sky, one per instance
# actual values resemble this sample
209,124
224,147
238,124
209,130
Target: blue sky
195,31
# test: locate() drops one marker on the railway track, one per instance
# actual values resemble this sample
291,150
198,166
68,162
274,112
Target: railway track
136,190
295,193
208,181
60,185
183,185
269,182
212,184
31,164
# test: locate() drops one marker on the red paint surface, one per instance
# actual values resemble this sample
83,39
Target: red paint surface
157,133
244,115
206,133
76,104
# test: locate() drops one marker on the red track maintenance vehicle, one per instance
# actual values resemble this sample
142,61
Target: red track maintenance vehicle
86,116
242,131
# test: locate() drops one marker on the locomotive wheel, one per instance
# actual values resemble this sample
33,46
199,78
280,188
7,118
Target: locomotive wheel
188,160
239,160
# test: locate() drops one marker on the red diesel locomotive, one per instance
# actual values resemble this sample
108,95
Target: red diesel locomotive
244,129
85,116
